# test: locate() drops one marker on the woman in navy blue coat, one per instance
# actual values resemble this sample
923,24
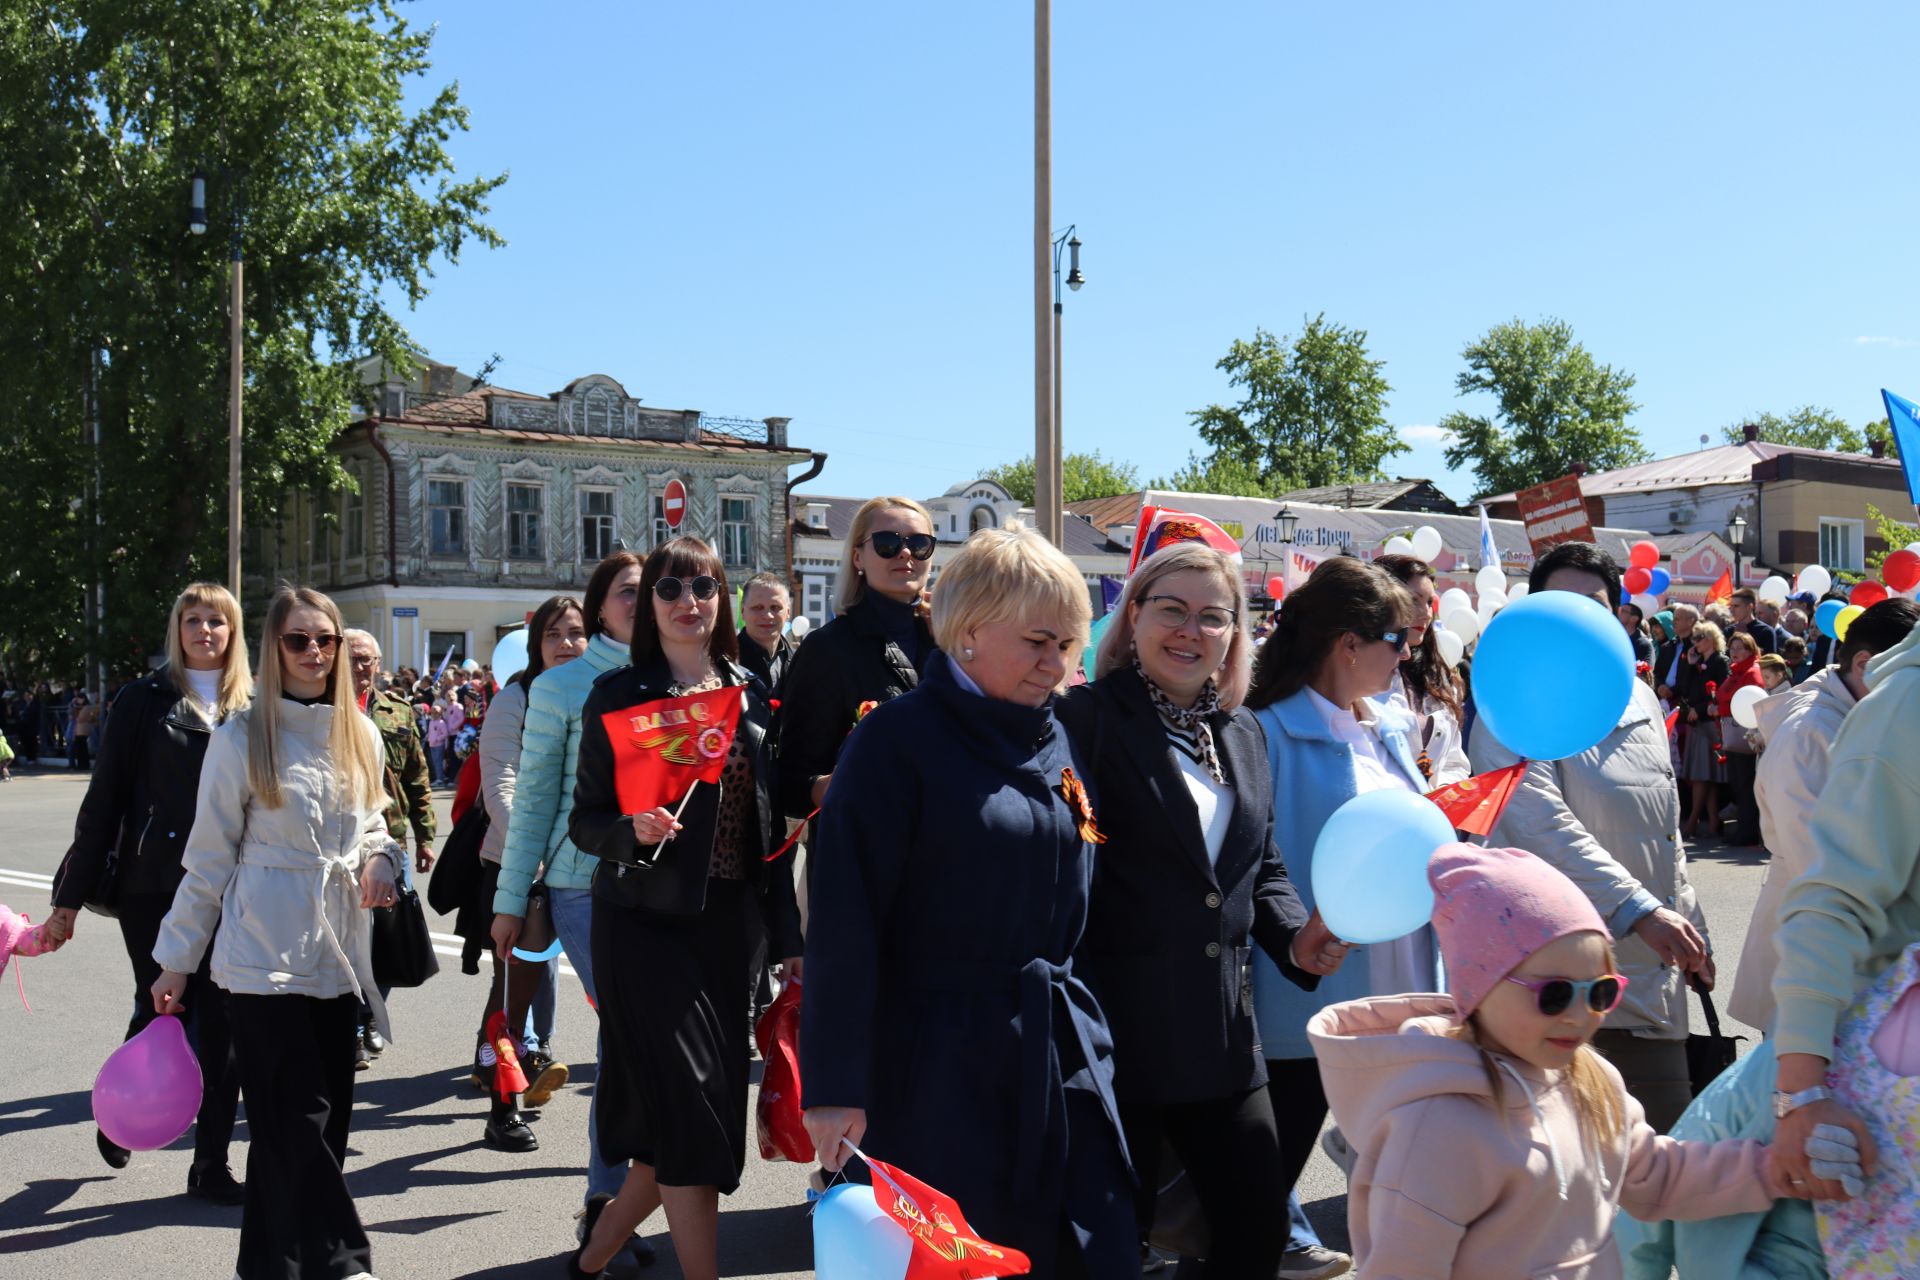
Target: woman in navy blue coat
944,1029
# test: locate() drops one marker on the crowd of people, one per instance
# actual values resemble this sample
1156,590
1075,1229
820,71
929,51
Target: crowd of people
1057,932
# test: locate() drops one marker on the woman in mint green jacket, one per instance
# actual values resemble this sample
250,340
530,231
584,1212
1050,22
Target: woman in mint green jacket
543,798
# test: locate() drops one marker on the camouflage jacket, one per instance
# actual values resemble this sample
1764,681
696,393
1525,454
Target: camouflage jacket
409,789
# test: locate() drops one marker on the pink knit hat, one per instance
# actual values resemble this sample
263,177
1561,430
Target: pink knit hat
1492,908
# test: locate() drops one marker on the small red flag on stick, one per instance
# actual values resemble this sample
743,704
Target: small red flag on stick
947,1248
508,1078
661,750
1673,720
1474,804
1722,588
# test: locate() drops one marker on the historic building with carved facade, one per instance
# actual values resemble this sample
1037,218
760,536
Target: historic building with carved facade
473,504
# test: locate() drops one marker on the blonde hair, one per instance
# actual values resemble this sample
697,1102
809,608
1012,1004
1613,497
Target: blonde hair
1116,647
354,748
1711,632
1003,575
236,678
853,588
1775,663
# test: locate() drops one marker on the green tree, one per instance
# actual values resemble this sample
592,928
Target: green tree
1808,427
1890,531
1554,406
1218,474
113,317
1082,476
1312,411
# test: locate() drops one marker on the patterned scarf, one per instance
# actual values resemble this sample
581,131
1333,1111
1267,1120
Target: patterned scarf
1188,726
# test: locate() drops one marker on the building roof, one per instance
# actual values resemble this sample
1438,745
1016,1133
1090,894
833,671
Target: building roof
1122,508
1378,495
1721,464
1080,537
470,413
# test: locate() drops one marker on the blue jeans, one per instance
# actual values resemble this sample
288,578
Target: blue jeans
1302,1235
573,921
540,1013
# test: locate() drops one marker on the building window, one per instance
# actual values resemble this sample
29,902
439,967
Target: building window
447,517
448,647
596,525
736,532
596,415
322,539
1842,543
353,520
661,531
523,522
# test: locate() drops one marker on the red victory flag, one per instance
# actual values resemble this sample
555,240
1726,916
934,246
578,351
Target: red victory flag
662,749
1474,804
947,1248
1673,719
1722,588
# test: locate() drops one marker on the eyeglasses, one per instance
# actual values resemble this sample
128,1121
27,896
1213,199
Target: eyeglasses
1172,613
298,642
704,587
887,544
1556,995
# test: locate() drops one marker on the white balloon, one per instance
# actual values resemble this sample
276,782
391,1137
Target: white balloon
1426,543
1649,605
1743,705
1398,546
1452,647
1454,598
800,625
1491,602
1491,578
1517,590
1775,588
510,655
1814,581
1914,547
1464,624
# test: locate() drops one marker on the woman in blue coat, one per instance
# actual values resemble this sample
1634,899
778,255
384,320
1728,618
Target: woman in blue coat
944,1029
1317,689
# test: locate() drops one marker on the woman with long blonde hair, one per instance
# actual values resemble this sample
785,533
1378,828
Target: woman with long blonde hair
132,828
289,849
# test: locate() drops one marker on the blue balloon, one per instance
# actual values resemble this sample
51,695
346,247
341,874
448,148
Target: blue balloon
1370,865
1661,581
1823,616
1552,675
535,957
855,1239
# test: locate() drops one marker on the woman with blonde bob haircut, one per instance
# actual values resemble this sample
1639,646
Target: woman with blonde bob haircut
1190,870
132,830
289,849
958,841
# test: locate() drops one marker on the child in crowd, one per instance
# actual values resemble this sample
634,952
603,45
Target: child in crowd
1491,1140
20,936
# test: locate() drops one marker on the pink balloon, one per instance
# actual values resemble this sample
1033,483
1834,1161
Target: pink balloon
1643,555
148,1092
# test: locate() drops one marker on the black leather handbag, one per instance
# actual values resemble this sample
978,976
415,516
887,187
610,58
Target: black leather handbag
402,944
1709,1055
104,898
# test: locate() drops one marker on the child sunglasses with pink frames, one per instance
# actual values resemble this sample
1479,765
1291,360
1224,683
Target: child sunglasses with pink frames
1556,995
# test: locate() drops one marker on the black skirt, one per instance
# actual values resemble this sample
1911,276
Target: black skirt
672,1090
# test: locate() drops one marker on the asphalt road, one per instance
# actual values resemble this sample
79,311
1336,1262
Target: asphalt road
437,1201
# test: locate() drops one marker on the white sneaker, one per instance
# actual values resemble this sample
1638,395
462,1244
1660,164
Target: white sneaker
1315,1263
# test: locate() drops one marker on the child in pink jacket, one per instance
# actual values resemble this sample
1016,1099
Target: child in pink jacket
1491,1141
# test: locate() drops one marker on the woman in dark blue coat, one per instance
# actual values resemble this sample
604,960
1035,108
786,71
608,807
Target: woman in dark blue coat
944,1029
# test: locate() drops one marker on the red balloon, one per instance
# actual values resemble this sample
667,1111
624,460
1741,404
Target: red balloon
1901,570
1867,594
1638,578
1643,555
1276,586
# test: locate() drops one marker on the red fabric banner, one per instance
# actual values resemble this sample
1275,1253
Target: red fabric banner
661,749
947,1248
1722,588
1474,804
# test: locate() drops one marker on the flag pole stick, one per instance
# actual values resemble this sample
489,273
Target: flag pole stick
682,807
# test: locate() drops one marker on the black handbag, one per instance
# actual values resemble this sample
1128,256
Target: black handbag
104,897
1710,1054
402,944
456,872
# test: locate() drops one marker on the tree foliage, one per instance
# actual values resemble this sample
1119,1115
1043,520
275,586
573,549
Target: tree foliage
1890,531
1082,476
1554,406
110,310
1218,474
1312,412
1808,427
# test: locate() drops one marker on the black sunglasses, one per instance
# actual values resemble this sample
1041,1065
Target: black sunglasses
298,642
887,544
704,587
1394,638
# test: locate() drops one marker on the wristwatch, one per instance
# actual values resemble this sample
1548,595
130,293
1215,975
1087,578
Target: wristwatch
1785,1104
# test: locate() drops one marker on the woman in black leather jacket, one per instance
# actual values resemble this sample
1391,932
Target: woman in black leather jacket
672,900
133,825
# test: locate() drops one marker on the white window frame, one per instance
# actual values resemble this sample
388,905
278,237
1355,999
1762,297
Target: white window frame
610,515
737,530
534,549
657,504
459,551
1855,537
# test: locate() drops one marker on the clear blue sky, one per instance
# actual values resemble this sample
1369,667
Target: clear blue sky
823,211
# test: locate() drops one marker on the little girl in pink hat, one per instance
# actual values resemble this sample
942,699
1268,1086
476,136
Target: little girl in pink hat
1491,1141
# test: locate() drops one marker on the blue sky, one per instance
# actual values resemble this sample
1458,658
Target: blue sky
823,211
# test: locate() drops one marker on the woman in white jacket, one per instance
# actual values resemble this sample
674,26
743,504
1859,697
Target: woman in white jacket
288,851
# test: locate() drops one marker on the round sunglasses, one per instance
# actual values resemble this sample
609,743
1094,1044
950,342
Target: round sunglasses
1556,995
887,544
704,587
298,642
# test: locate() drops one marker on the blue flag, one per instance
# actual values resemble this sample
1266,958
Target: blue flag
1904,417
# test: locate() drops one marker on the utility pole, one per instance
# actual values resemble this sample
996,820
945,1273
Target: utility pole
1046,429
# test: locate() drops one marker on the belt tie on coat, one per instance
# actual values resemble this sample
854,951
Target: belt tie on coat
331,869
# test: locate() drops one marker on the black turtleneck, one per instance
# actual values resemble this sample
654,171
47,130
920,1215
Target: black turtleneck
900,624
314,701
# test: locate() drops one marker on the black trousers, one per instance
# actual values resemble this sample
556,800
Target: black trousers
1299,1109
1231,1149
296,1063
1742,773
140,919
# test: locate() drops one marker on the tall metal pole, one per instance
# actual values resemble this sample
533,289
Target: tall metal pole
236,322
1046,428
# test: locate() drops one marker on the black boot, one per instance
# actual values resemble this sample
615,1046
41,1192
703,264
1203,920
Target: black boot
506,1130
215,1182
595,1206
112,1152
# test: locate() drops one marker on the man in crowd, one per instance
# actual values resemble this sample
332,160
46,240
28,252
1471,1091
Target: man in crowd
1684,616
1609,818
1634,619
765,649
1799,662
1794,623
409,787
1744,619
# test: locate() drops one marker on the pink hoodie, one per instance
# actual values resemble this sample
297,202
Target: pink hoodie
1442,1187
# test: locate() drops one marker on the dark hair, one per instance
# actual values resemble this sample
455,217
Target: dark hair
683,558
543,617
601,584
1881,627
1584,556
1426,674
1790,642
1639,614
1343,595
1745,595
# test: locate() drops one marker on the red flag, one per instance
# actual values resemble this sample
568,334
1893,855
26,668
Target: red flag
1722,588
1673,719
948,1248
661,749
1474,804
508,1078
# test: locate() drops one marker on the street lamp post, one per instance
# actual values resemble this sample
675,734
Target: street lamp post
236,321
1057,494
1736,535
1046,431
1288,521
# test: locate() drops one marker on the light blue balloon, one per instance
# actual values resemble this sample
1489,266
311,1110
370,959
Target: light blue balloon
1552,675
1661,580
535,957
855,1239
1824,616
1370,865
1091,654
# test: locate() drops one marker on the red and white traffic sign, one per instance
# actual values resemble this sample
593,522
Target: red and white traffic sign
674,503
